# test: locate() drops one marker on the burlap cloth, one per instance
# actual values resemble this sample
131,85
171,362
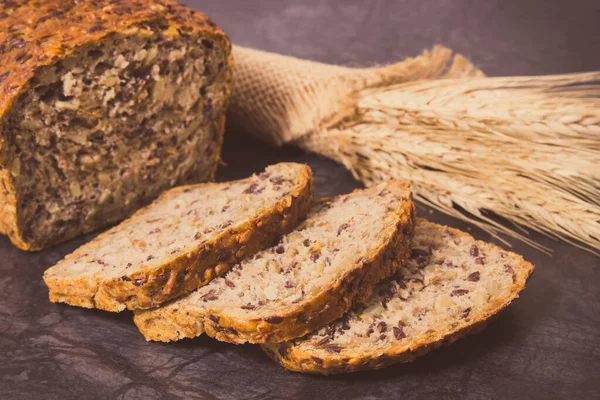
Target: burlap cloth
279,98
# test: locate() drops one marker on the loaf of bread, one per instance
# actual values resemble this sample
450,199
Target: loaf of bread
182,240
451,286
103,105
310,278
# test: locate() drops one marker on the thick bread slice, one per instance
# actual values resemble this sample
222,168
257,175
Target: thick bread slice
451,286
342,250
184,239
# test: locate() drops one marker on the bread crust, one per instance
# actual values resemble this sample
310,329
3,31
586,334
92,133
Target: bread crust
37,33
166,324
296,359
151,287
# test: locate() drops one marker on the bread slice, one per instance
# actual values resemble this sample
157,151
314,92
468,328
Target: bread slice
184,239
451,286
310,278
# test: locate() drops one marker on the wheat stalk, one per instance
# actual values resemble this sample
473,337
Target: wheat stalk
525,148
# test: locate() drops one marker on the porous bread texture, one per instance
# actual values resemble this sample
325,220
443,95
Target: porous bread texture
103,107
450,287
311,277
184,239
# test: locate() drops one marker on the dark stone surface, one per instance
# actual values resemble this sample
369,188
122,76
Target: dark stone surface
546,345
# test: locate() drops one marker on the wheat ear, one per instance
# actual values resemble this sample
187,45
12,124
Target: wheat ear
524,148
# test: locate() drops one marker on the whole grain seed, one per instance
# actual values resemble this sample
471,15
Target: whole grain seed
399,333
210,296
275,319
214,318
474,276
332,347
250,189
314,256
342,228
459,292
465,313
229,283
323,340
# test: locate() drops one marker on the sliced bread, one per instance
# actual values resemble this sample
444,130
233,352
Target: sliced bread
184,239
451,286
310,278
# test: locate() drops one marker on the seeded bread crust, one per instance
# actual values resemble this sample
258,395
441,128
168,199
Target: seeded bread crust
149,288
167,323
38,33
295,357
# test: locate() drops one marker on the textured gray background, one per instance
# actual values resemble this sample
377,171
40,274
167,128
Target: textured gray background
546,345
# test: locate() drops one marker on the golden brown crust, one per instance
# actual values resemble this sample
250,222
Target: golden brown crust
166,324
8,210
297,359
36,33
180,275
